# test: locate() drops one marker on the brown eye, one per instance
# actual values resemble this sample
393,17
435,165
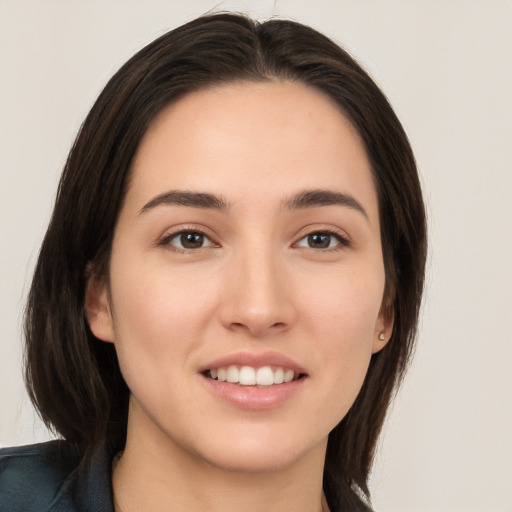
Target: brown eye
319,241
189,240
323,240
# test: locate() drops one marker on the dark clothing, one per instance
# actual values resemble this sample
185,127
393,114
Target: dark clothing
51,477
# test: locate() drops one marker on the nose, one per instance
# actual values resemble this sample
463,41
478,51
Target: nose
258,297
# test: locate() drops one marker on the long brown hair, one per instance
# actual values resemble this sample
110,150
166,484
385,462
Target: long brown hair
74,379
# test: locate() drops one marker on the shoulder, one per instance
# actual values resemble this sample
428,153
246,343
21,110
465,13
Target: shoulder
48,476
31,476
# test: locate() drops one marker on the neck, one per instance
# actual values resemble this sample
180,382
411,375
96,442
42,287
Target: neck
154,475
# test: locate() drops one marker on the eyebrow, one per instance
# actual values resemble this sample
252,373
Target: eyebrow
192,199
315,198
302,200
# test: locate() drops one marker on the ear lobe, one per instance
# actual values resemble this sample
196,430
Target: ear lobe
97,309
383,328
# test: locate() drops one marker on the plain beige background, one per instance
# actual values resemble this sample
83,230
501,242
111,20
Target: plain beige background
447,68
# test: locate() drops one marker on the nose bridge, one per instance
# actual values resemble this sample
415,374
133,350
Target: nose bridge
257,299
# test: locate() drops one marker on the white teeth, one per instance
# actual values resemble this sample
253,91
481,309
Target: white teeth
265,376
232,374
279,376
288,375
249,376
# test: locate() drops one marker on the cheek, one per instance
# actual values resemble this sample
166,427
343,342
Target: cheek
343,319
150,297
159,316
347,307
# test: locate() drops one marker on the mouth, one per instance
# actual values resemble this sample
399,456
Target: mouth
255,381
262,377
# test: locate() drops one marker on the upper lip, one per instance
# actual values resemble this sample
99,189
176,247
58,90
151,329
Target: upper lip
256,361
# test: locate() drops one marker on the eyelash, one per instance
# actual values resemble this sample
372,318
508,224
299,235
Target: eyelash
343,241
166,240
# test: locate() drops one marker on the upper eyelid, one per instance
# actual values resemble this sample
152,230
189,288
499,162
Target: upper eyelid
331,230
169,234
187,228
342,240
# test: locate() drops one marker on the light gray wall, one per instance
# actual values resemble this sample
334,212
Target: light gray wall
447,68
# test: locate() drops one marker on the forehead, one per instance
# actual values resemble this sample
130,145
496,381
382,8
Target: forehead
244,139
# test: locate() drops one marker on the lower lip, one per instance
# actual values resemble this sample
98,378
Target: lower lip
253,397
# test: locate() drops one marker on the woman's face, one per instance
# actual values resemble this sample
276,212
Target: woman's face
248,249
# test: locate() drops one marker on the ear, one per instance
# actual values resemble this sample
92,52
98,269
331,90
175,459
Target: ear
97,309
383,327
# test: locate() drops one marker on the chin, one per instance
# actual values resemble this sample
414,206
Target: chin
259,454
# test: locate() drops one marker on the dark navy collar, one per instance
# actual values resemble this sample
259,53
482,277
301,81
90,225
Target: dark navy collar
51,477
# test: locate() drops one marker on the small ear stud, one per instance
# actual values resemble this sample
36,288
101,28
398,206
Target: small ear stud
382,337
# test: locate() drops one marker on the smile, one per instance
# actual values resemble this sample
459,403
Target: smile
250,376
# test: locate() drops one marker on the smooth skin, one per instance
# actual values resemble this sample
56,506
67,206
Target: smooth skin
258,273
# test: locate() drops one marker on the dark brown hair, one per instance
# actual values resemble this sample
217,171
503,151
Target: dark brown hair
73,378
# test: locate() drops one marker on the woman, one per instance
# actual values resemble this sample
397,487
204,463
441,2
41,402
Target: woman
227,294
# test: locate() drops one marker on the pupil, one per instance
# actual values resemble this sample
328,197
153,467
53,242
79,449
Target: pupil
191,240
319,241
